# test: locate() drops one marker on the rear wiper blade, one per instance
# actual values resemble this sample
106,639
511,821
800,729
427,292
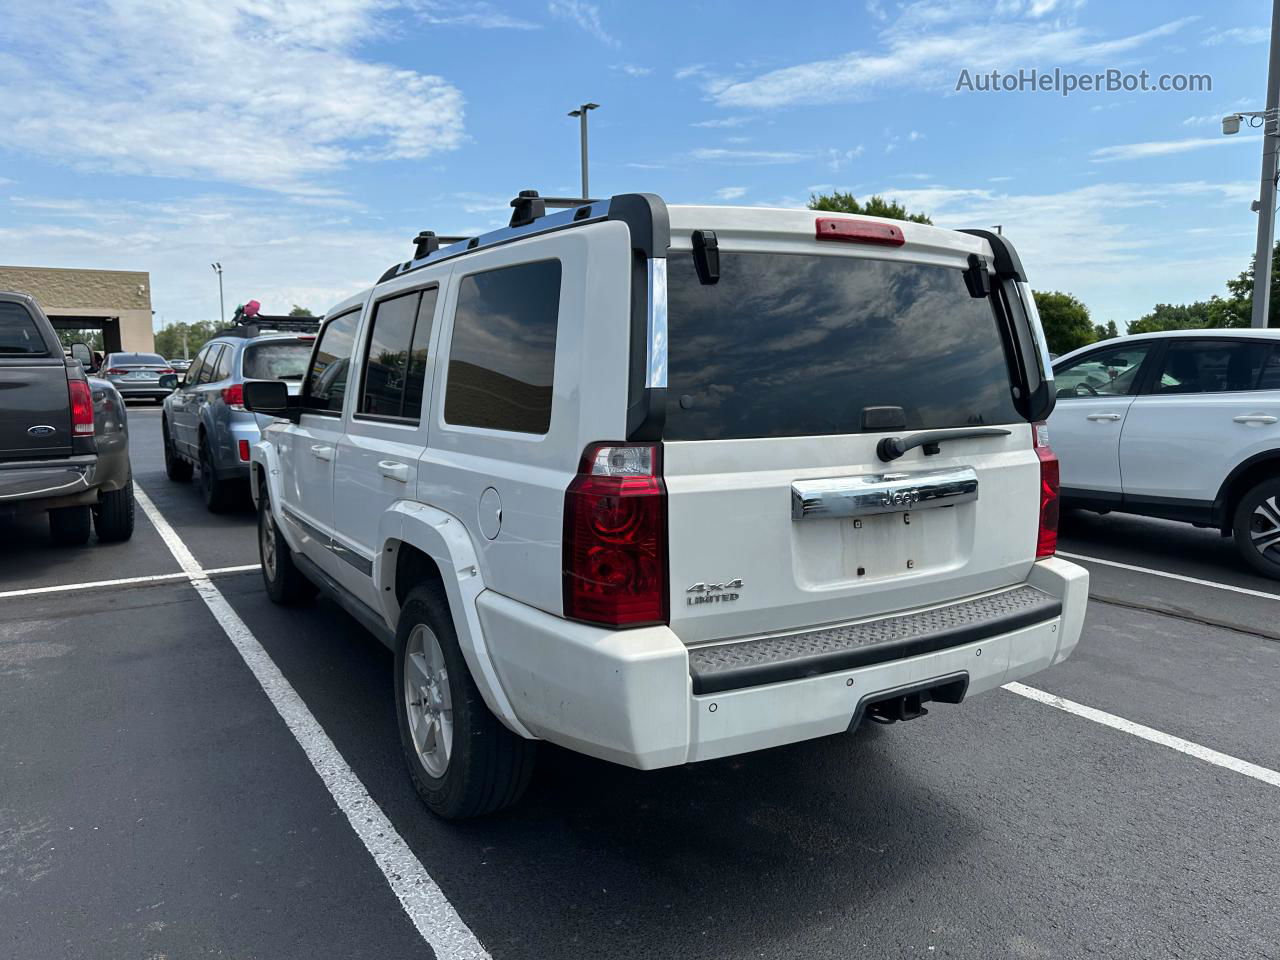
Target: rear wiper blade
891,448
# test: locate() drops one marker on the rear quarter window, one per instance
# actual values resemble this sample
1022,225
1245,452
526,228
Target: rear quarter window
798,345
19,335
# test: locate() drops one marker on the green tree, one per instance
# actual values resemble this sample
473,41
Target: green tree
93,338
875,206
1239,307
1065,320
169,341
298,311
1105,332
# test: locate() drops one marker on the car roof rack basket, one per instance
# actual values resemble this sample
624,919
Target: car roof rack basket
264,325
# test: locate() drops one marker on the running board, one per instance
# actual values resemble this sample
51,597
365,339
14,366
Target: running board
368,617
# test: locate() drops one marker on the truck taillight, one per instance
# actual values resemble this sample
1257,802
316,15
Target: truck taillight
615,537
1047,540
233,396
81,408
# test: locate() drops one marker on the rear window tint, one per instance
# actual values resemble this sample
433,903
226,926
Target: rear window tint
19,335
789,345
277,360
138,358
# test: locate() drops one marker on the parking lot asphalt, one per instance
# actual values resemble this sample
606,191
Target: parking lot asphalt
153,803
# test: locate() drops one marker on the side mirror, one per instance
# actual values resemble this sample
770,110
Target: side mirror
169,381
268,396
81,352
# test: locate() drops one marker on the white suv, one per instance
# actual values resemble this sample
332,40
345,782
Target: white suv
666,484
1180,425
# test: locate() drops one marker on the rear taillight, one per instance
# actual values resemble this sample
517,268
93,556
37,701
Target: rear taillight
233,396
1047,540
859,231
166,370
81,408
615,537
244,450
116,372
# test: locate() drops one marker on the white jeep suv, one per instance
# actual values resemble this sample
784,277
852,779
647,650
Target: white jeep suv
667,484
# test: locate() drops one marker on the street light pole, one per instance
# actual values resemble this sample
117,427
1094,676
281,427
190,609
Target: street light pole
222,307
581,114
1270,169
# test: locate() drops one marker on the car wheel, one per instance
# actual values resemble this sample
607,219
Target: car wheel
113,517
217,494
285,583
175,467
70,525
1256,528
462,761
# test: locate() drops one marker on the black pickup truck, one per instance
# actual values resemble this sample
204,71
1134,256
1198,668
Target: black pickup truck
64,436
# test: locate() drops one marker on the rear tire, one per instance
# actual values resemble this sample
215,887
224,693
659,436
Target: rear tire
1256,527
285,583
113,518
484,766
69,526
175,468
218,494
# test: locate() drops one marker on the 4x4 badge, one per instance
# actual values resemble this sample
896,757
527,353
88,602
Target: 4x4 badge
713,592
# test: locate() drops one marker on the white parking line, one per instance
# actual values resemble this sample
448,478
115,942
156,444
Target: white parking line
1171,576
423,900
1236,765
124,581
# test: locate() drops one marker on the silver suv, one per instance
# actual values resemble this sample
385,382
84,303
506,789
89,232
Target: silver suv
205,423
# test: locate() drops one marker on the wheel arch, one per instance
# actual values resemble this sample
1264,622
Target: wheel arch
1245,475
421,544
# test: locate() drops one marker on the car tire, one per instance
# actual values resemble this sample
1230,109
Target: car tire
218,494
1256,517
285,583
69,526
485,767
175,467
113,517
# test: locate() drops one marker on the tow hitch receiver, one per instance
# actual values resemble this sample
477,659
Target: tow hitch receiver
907,707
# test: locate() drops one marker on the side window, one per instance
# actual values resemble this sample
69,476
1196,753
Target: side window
1269,379
210,364
1106,373
418,358
19,335
223,370
386,361
326,385
193,371
503,351
1210,366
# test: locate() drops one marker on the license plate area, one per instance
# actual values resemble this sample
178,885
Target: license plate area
141,375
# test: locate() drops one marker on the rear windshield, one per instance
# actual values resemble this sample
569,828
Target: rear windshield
153,359
18,333
277,360
791,345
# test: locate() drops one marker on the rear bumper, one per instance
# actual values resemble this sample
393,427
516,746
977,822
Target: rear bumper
226,446
39,484
629,696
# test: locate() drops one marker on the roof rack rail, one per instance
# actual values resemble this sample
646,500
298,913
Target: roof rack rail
263,324
427,243
530,207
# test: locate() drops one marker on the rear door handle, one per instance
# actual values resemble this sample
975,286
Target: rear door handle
1103,416
322,451
1254,418
394,471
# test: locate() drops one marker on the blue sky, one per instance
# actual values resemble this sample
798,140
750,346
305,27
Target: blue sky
303,143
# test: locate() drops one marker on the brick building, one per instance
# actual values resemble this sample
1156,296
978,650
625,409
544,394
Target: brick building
117,302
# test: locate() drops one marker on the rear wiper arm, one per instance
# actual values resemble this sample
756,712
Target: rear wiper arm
891,448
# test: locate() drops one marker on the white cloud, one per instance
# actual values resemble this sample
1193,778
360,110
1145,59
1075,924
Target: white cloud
693,70
928,45
914,135
585,15
998,179
476,13
876,9
1237,35
722,122
836,159
747,157
731,193
1201,121
1163,148
273,95
631,70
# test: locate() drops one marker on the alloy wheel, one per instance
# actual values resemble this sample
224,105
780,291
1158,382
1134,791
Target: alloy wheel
427,700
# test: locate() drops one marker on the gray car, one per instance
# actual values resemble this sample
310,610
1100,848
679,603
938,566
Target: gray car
136,375
205,424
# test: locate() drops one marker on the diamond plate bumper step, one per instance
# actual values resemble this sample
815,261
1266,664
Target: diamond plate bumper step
751,663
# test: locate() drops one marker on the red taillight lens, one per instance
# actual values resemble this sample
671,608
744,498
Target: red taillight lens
166,370
244,450
116,372
233,396
81,408
859,231
1047,541
615,538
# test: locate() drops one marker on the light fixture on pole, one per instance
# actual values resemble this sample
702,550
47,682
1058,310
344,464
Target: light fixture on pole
581,114
222,307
